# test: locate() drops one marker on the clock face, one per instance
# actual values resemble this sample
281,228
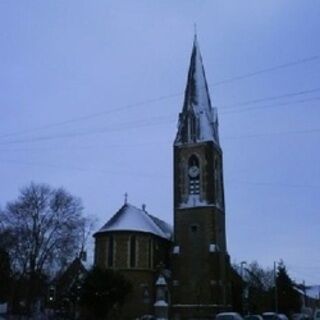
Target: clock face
193,172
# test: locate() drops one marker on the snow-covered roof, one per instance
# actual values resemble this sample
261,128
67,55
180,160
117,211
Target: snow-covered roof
198,121
310,291
313,292
131,218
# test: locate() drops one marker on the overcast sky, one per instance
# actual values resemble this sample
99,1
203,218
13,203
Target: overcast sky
91,91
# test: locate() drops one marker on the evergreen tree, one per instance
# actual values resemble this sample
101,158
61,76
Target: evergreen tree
288,297
103,292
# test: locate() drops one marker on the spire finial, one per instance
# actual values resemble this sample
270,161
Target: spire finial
126,198
195,31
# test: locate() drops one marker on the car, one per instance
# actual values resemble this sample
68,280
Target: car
299,316
228,316
282,316
148,317
316,315
270,316
253,317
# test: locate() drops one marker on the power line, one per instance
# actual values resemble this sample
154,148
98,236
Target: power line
249,136
271,98
146,102
260,135
262,71
66,167
128,125
274,184
142,123
148,175
164,121
68,147
271,106
90,116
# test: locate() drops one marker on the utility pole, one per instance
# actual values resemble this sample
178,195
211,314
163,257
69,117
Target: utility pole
275,287
304,294
243,286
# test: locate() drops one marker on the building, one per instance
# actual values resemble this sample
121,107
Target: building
137,244
186,271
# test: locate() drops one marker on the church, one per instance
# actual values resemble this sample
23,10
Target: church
179,272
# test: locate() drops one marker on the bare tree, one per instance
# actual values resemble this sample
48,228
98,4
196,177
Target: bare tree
259,277
47,228
259,283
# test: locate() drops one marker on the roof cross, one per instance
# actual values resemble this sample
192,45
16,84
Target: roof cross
126,198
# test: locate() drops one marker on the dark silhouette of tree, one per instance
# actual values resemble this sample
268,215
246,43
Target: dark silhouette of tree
288,297
48,229
4,275
103,292
258,286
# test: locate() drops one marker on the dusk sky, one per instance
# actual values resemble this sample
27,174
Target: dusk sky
91,92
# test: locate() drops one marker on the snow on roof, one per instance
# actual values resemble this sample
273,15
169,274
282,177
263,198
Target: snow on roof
197,105
131,218
313,292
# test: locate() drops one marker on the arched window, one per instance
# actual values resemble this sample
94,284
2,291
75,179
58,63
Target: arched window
110,251
193,161
132,252
194,175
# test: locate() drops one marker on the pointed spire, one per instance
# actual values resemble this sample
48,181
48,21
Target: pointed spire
198,120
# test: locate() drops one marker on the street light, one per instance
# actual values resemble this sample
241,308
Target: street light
242,263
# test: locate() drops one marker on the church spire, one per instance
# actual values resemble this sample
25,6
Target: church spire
198,121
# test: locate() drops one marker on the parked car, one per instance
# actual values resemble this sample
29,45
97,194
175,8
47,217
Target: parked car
316,315
253,317
282,316
228,316
148,317
299,316
271,316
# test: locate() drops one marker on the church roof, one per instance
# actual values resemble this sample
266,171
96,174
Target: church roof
131,218
198,121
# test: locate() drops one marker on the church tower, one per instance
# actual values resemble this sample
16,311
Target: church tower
200,278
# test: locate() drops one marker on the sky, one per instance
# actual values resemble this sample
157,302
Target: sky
91,92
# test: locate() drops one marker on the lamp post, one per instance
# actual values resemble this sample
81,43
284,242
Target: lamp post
242,263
